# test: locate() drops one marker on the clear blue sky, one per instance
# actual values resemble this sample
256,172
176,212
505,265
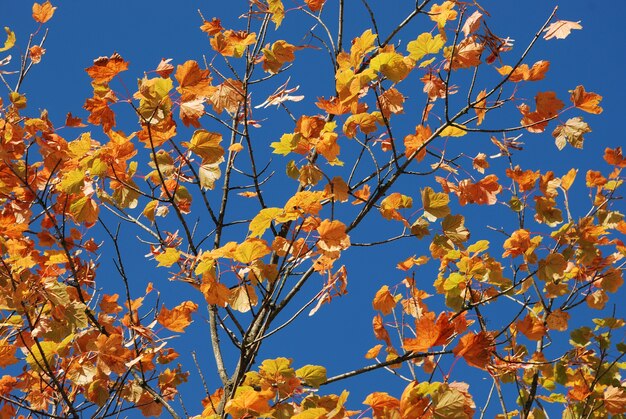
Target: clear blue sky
143,32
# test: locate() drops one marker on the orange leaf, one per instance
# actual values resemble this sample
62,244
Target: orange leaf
384,301
476,349
587,101
315,5
333,236
379,329
382,404
194,82
373,352
43,12
615,157
105,68
557,320
178,318
532,327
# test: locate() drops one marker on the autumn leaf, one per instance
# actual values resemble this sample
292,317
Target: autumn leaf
587,101
455,130
178,318
164,69
243,298
441,13
425,44
7,353
169,257
615,400
435,204
384,301
85,210
476,349
524,73
557,320
390,206
10,41
277,9
194,82
206,145
312,375
472,23
532,327
332,236
104,69
415,143
392,65
560,29
571,132
43,12
382,403
248,402
250,250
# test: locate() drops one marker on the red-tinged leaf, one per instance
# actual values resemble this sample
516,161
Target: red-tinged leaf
104,69
100,113
73,121
615,157
164,69
315,5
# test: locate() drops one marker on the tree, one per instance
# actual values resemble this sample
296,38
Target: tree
255,234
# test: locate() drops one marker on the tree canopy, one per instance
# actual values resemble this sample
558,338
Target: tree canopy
167,243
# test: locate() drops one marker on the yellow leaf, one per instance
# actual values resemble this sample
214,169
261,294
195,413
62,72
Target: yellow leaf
169,257
85,210
456,130
287,143
361,46
277,9
392,65
262,221
206,145
435,204
251,250
72,181
425,44
8,44
442,13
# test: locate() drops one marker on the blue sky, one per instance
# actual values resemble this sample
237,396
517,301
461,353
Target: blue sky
143,32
